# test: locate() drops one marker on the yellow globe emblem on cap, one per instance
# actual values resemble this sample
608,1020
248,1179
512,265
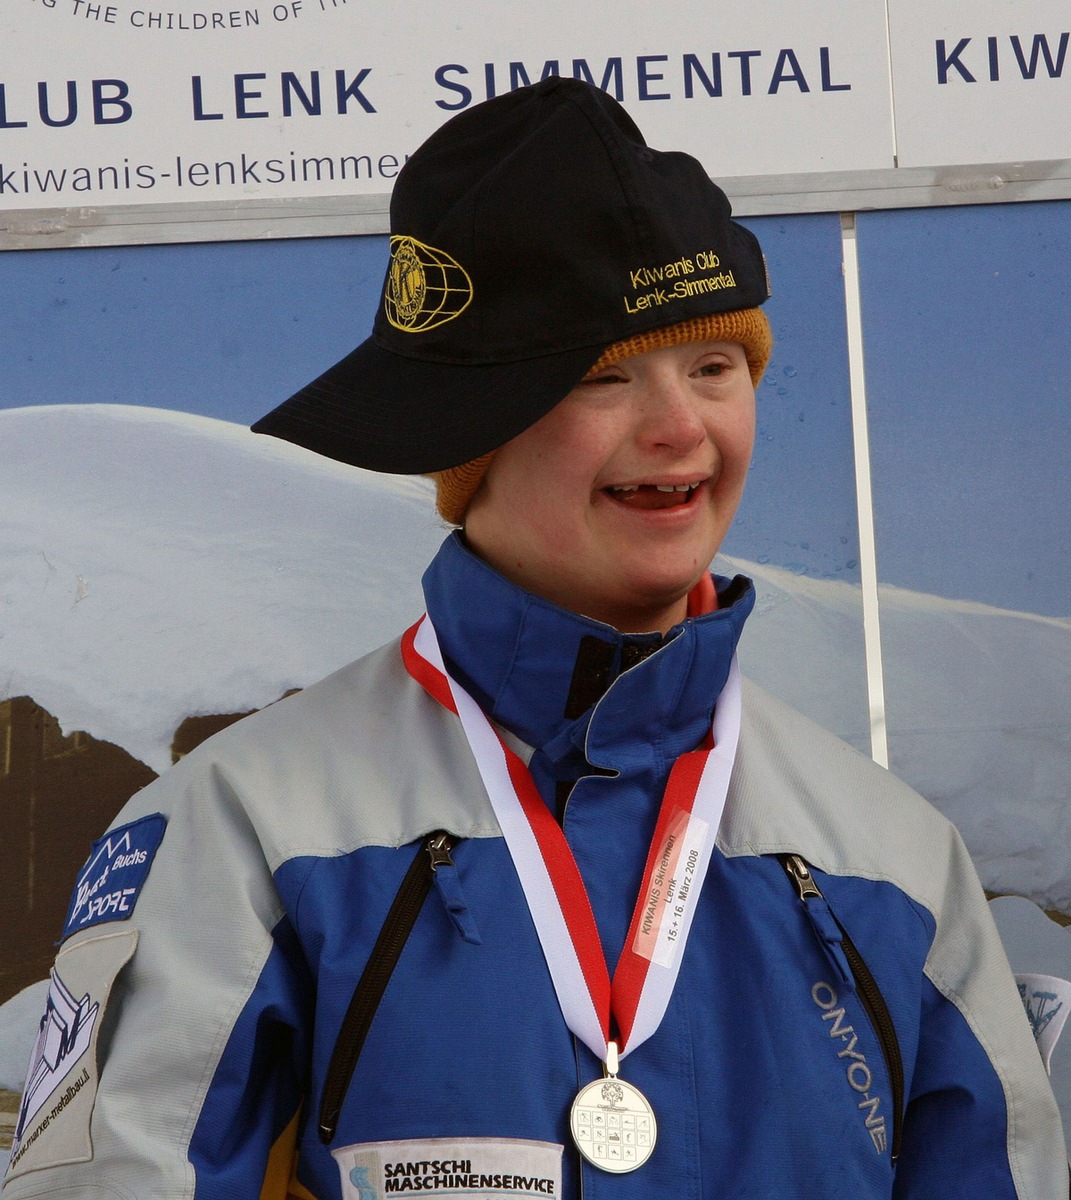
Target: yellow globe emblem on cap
425,286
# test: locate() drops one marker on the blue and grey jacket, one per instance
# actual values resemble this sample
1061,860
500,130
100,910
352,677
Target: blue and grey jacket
844,1026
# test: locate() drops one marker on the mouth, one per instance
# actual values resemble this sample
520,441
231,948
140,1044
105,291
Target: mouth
650,496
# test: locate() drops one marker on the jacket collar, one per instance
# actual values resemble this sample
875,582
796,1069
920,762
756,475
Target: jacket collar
570,686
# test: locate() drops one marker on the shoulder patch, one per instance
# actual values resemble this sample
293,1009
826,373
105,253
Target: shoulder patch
112,878
61,1082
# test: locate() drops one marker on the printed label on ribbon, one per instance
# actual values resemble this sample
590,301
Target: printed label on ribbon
672,890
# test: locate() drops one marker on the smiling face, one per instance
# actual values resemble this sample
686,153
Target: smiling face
614,503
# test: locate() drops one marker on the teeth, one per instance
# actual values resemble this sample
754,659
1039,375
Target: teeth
659,487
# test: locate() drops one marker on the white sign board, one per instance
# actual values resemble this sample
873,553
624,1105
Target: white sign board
131,104
121,102
981,81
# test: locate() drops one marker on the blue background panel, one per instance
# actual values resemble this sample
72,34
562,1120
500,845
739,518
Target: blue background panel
799,508
225,330
966,329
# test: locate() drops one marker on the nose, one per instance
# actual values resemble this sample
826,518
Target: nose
669,415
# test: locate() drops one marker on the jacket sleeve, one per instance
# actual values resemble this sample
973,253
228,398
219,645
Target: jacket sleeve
981,1118
170,1058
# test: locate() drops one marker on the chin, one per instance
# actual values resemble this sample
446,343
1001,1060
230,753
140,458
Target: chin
669,585
648,609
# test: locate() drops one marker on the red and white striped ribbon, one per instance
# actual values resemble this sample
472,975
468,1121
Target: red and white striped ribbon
676,866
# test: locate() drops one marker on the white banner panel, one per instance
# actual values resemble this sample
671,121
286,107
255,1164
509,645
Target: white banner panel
981,81
141,102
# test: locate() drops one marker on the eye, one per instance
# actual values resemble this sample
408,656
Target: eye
712,369
608,375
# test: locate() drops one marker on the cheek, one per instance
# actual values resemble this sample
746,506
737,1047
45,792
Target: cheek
557,473
735,441
742,433
531,502
746,445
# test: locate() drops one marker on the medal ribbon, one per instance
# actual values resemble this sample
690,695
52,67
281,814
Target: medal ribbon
677,862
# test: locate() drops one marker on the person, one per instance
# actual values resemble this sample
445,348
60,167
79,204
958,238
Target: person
542,898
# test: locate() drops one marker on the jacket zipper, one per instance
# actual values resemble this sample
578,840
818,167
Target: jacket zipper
399,922
867,988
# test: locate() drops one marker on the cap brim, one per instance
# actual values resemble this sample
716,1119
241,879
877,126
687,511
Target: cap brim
385,412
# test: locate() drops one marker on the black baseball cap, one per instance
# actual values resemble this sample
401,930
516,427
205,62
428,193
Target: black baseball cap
528,233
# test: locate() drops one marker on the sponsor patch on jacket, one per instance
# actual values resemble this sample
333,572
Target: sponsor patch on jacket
61,1083
1047,1000
450,1167
108,885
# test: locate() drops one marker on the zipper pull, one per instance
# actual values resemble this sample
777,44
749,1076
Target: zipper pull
801,876
448,884
820,915
438,847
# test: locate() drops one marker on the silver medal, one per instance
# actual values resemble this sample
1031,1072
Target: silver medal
612,1123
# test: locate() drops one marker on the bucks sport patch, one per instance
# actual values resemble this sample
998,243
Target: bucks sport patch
118,865
451,1167
61,1084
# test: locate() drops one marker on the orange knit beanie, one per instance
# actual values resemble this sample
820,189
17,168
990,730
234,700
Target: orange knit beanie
456,486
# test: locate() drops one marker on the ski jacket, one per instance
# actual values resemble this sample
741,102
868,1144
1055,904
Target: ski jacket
844,1025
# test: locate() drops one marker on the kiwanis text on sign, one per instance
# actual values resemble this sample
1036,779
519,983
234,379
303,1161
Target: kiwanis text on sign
59,181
